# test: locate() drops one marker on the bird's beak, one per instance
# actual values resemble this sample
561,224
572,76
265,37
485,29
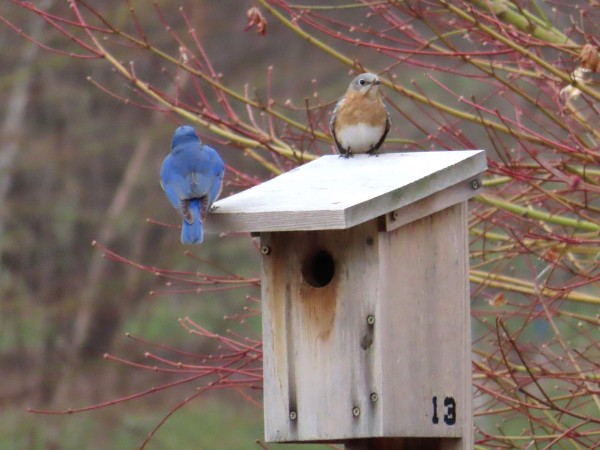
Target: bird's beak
376,82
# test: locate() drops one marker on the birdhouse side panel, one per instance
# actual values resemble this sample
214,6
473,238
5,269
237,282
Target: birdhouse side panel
426,337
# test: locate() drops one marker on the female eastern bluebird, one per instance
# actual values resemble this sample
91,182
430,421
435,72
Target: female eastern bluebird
360,120
192,177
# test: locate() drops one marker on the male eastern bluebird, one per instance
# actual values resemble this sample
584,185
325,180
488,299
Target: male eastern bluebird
192,177
360,120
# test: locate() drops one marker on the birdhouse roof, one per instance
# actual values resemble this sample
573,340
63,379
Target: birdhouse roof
338,193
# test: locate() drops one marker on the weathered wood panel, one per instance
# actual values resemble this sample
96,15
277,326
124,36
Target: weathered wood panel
426,349
339,193
374,350
432,204
319,361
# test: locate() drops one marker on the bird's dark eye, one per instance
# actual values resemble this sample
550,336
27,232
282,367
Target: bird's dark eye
362,81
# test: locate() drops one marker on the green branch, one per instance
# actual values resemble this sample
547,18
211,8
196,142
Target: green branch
524,21
512,284
533,213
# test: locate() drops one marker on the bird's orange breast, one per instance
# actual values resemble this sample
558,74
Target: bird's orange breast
357,108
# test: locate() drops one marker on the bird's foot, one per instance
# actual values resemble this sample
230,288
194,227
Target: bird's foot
204,207
213,208
186,213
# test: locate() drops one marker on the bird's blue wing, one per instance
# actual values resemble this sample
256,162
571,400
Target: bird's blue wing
173,184
217,173
215,191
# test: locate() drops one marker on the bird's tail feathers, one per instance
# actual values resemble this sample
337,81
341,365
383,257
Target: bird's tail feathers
191,231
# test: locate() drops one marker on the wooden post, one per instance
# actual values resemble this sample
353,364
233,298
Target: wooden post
366,324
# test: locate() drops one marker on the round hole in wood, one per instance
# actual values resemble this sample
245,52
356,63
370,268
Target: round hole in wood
318,269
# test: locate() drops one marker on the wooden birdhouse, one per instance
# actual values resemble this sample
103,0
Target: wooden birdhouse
365,291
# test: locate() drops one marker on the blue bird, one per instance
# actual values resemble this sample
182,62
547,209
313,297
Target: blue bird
192,177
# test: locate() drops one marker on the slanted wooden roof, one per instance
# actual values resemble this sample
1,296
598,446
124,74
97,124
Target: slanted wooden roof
339,193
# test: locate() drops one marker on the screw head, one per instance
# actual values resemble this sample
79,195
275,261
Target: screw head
374,397
371,319
265,249
394,215
475,184
293,415
356,411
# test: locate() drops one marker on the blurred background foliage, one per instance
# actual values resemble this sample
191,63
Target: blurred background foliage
81,145
86,168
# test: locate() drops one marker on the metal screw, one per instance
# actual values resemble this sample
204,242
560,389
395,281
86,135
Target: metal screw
356,411
394,215
374,397
475,184
371,319
265,249
293,415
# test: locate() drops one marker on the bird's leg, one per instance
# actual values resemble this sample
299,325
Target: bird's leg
185,211
347,154
373,152
203,207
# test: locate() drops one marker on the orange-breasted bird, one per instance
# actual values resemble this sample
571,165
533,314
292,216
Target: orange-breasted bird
360,120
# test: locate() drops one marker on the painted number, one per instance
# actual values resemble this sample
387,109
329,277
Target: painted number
449,408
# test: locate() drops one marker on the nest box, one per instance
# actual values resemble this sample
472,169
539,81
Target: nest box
366,324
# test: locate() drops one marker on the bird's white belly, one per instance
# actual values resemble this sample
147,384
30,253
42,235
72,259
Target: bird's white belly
359,138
